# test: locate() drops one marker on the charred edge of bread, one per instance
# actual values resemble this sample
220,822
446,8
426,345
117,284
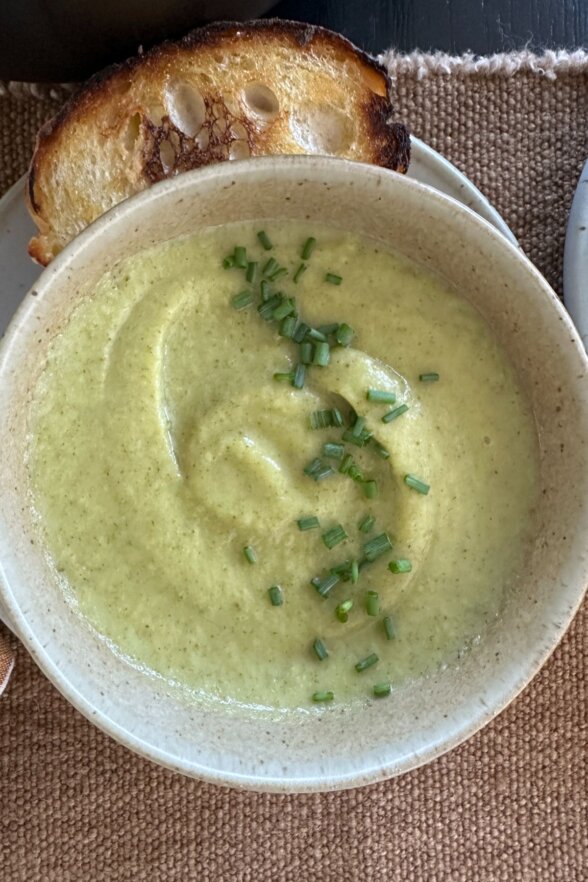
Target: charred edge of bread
391,140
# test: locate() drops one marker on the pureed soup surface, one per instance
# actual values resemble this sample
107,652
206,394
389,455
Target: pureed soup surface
162,445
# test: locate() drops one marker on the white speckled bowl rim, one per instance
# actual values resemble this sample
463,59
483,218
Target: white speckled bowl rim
333,747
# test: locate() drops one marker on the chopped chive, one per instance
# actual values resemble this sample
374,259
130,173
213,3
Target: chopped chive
308,248
325,585
367,523
416,484
342,569
401,565
370,489
270,267
250,554
381,450
333,278
316,335
359,440
287,307
266,309
276,595
266,290
323,696
299,273
429,378
333,450
344,335
394,414
301,332
358,428
325,471
308,523
389,628
382,689
336,417
334,536
381,395
320,419
322,354
377,546
328,330
355,473
240,257
229,261
288,326
251,272
284,376
368,662
342,611
354,572
312,468
346,464
372,603
299,376
320,650
242,300
306,350
277,273
265,240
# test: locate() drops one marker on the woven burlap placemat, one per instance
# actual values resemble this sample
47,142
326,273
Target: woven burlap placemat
511,804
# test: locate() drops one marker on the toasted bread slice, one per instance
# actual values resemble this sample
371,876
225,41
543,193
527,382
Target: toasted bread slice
227,91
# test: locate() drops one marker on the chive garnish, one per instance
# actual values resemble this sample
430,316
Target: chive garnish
299,376
266,309
266,290
344,335
372,603
328,330
251,271
367,523
401,565
312,468
270,267
324,472
370,489
382,689
284,376
342,569
229,261
322,354
250,554
299,273
308,248
276,595
325,585
381,395
305,352
359,440
377,546
342,611
358,428
333,278
389,628
320,650
242,300
308,523
285,308
323,696
320,419
355,473
334,536
316,335
354,572
288,326
346,464
394,414
416,484
432,377
368,662
336,417
333,450
265,240
381,450
301,332
277,273
240,257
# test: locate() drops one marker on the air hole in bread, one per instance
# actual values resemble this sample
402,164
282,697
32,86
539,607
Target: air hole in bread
167,155
132,131
185,107
261,101
239,150
321,129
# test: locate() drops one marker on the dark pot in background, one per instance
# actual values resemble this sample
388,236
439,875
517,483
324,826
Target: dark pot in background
67,40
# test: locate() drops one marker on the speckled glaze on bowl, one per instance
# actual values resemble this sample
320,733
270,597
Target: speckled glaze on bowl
330,747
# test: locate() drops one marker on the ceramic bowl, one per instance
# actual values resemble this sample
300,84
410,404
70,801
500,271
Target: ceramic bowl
330,747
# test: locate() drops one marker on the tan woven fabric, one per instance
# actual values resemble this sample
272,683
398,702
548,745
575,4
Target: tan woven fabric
508,806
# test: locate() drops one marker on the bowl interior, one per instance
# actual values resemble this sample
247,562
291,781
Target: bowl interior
343,746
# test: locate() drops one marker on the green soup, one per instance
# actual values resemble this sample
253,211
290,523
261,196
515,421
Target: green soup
162,446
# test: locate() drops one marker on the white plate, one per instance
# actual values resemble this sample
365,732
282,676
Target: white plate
576,258
18,272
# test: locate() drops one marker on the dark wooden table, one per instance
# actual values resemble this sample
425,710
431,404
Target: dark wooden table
484,26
